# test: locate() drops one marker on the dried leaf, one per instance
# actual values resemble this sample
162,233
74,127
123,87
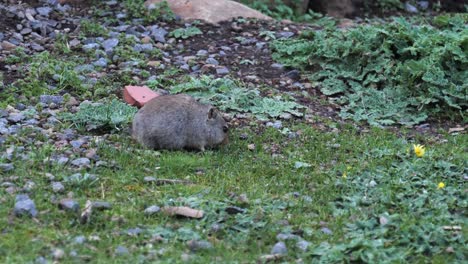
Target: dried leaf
183,211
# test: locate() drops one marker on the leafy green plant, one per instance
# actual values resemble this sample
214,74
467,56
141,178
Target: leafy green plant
405,207
385,74
113,115
45,74
92,29
17,56
227,95
185,33
152,13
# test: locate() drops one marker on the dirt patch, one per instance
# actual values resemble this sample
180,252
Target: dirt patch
7,22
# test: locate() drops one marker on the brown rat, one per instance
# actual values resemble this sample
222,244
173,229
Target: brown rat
178,122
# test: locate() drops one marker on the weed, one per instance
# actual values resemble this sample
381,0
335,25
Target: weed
185,33
227,95
386,74
112,115
92,29
153,13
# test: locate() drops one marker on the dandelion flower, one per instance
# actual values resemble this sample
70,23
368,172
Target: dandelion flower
441,185
419,150
344,175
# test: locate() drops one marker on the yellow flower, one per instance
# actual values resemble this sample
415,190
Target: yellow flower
344,175
419,150
441,185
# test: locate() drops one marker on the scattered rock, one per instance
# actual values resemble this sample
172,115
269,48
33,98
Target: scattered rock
47,99
196,245
81,162
101,205
152,210
57,187
58,254
411,8
279,249
222,70
302,245
6,167
121,250
24,206
70,205
110,44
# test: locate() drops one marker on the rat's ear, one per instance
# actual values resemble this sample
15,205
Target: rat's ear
211,113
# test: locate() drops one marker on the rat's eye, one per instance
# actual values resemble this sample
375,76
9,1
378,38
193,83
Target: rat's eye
225,129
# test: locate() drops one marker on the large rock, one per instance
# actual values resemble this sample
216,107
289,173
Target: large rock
209,10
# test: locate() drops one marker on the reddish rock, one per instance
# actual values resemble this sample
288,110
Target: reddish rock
209,10
138,95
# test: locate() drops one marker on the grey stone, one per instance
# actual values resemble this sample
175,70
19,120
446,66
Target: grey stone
76,143
24,206
286,236
293,75
69,205
102,62
277,124
101,205
202,53
15,117
17,38
31,122
185,67
2,36
143,47
79,240
423,4
121,250
410,8
121,28
57,187
47,99
58,253
6,167
110,44
74,42
29,186
302,245
26,31
90,46
79,162
212,61
277,66
44,11
158,34
195,245
326,230
152,210
284,34
149,179
63,8
222,70
41,260
134,231
279,248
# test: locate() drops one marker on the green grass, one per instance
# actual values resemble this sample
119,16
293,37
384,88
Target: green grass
268,177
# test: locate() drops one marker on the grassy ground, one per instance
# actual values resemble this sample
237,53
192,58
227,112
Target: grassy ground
332,191
281,198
